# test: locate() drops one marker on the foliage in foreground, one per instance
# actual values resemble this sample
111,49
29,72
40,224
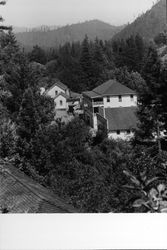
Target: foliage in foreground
87,172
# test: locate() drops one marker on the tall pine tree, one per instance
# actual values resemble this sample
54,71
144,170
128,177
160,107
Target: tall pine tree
149,108
28,119
86,63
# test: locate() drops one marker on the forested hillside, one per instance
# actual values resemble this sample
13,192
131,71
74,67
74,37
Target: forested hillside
69,33
93,173
148,25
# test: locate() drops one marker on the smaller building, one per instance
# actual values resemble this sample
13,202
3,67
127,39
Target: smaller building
57,88
67,103
61,101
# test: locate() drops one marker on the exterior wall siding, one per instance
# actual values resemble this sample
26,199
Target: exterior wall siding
52,92
114,102
61,99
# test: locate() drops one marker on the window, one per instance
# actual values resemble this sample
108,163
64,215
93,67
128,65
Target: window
128,132
56,92
61,102
108,99
96,110
132,98
118,132
98,99
120,98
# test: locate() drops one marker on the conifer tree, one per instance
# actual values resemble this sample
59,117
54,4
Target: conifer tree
149,103
86,63
38,55
18,78
98,58
9,51
162,95
28,119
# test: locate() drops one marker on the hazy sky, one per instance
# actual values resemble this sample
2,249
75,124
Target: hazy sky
31,13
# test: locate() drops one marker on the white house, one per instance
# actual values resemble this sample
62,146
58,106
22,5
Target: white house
66,101
61,101
113,106
57,88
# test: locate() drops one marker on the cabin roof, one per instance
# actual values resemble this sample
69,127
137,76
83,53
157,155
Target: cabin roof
20,194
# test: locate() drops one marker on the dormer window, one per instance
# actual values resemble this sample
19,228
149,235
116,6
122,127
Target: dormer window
61,103
56,92
120,98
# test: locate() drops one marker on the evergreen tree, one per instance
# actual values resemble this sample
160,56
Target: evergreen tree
149,106
162,95
19,76
129,52
9,51
133,80
38,55
99,60
87,64
161,38
28,119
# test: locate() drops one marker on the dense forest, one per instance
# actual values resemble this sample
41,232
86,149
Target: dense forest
94,174
47,38
83,66
148,24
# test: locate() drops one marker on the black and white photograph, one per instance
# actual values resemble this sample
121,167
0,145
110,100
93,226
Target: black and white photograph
83,106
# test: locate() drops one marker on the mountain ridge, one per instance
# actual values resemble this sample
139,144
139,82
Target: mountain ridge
148,25
69,33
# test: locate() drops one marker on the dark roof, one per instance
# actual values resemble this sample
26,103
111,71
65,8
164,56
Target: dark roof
111,87
20,194
91,94
121,118
59,84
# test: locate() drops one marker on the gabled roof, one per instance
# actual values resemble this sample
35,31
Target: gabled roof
20,194
62,94
59,84
111,87
121,118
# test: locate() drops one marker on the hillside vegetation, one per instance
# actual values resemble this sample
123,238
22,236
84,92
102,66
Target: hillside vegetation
148,25
69,33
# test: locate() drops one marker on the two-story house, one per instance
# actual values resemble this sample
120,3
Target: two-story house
113,106
65,100
60,93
